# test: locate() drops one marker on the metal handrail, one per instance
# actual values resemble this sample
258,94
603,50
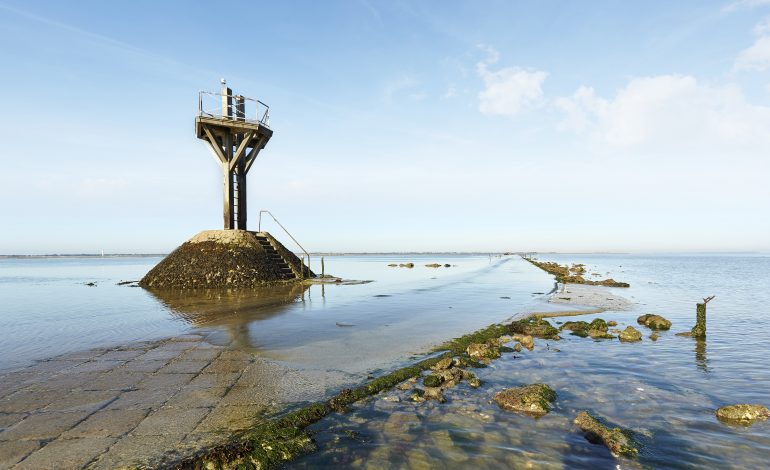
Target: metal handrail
264,119
259,229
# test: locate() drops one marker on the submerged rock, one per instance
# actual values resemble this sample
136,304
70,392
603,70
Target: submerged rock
434,393
483,350
630,334
535,327
654,322
532,399
433,265
617,440
743,414
517,347
406,265
612,323
393,265
654,336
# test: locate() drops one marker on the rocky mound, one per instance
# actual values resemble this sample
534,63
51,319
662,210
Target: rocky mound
226,259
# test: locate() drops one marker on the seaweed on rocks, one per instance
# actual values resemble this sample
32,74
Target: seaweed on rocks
618,441
567,275
534,326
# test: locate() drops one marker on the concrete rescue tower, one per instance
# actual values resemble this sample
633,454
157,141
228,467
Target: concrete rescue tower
236,132
236,129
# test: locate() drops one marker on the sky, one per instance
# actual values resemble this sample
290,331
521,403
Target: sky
631,126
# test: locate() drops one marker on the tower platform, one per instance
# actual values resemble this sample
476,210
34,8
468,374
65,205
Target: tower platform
226,259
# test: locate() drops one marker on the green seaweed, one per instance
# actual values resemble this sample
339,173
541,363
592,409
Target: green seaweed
460,345
278,441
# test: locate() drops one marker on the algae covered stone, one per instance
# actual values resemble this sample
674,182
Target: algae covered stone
743,413
524,340
630,335
483,351
534,326
534,399
432,381
575,326
654,322
598,325
617,440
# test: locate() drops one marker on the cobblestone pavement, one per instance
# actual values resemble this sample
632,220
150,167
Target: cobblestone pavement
146,403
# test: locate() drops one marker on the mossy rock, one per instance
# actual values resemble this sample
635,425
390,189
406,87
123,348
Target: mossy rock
432,380
537,327
575,326
598,325
618,441
483,351
742,414
654,322
580,333
599,334
630,335
534,399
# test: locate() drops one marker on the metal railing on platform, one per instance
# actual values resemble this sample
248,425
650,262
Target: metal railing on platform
302,263
236,108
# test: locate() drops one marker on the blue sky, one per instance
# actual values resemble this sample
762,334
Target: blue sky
421,125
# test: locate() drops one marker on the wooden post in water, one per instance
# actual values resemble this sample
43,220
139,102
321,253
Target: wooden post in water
323,271
699,330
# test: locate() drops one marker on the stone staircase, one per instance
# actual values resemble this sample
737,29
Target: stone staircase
286,270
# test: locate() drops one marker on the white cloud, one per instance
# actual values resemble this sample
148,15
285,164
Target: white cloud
741,4
509,90
756,56
669,113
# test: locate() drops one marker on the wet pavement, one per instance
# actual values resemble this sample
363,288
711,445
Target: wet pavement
147,403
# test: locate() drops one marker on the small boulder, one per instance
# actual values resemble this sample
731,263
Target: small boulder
517,347
534,326
575,326
630,335
504,339
444,363
743,414
612,323
432,380
534,399
654,322
406,265
483,350
599,334
525,340
433,265
434,393
654,336
447,265
598,325
617,440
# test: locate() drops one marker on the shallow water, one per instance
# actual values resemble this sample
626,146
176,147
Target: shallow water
665,391
47,309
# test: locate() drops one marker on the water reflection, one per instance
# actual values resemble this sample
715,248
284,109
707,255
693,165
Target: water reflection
231,309
700,355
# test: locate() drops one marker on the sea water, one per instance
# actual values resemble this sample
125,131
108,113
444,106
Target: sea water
664,391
